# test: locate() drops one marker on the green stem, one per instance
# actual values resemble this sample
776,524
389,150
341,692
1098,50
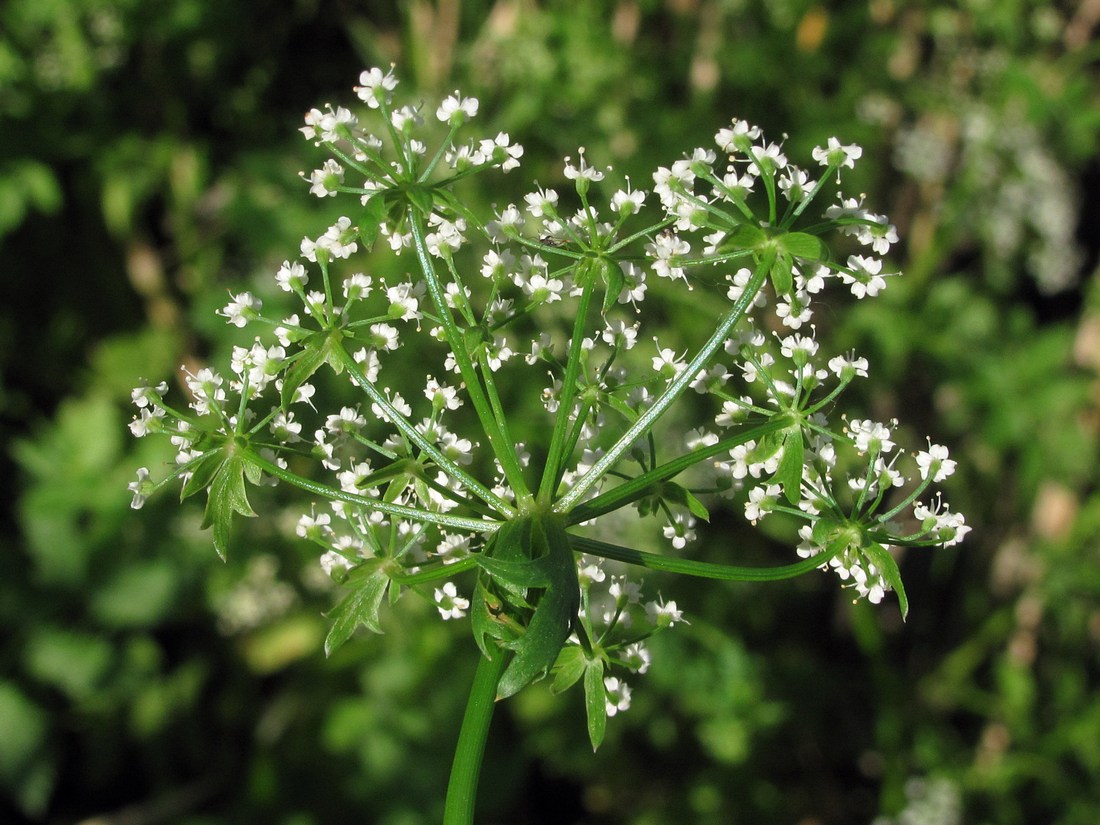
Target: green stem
554,457
462,787
504,451
675,389
635,488
416,437
702,569
399,510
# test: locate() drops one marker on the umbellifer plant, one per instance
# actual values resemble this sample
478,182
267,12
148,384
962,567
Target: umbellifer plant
413,504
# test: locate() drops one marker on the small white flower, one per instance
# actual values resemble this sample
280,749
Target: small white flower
140,488
582,172
326,180
617,696
357,286
846,367
375,87
332,561
542,203
663,614
637,657
455,109
680,530
870,436
863,276
291,276
762,500
837,155
627,201
935,461
449,604
241,309
442,396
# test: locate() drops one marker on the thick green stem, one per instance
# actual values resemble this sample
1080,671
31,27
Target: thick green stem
462,788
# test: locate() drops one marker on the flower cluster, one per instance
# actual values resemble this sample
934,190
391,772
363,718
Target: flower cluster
426,479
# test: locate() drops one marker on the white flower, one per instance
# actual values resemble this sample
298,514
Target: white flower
624,591
357,286
314,527
627,201
376,87
582,171
140,488
543,289
544,202
761,501
837,155
442,396
680,530
326,180
449,604
291,276
795,184
241,309
348,420
617,697
637,657
848,366
767,157
935,462
870,436
332,561
501,152
619,333
738,137
863,276
383,336
455,109
667,362
663,614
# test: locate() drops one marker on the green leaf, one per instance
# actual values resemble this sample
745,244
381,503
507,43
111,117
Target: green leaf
568,669
310,360
420,198
803,245
745,236
488,619
671,491
252,472
782,274
512,543
202,473
225,497
789,472
595,701
555,612
371,220
880,557
524,573
614,279
825,530
361,606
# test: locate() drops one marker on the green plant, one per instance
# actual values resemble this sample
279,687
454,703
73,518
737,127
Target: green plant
416,503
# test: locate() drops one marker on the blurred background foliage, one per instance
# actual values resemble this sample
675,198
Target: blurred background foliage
148,163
